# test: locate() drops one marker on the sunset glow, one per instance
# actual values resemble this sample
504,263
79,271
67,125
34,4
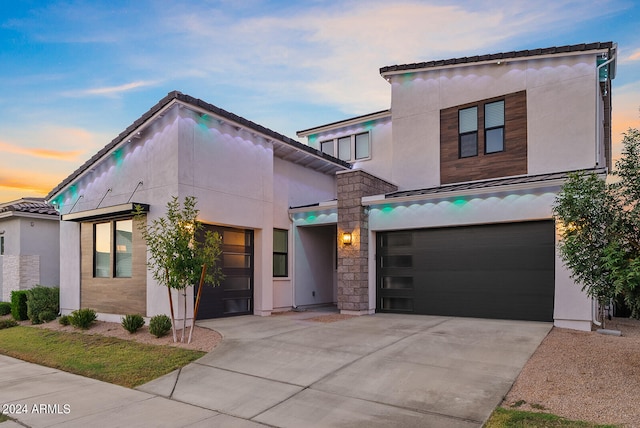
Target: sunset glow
76,74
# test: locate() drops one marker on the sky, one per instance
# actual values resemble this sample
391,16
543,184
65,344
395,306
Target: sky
74,74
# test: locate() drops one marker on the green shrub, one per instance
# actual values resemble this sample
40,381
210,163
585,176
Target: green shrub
83,318
46,316
19,305
41,299
5,308
132,323
8,323
159,325
64,320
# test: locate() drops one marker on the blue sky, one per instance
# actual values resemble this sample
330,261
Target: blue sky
74,74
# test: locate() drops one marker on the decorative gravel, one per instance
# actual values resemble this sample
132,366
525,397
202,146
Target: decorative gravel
584,376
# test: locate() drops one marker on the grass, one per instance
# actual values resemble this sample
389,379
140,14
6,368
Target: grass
112,360
508,418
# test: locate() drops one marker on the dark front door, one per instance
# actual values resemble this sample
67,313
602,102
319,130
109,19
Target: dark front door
490,271
234,295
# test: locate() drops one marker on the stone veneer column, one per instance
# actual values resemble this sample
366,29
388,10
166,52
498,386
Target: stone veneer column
353,260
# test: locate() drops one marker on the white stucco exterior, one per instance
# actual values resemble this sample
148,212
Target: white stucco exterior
248,177
230,169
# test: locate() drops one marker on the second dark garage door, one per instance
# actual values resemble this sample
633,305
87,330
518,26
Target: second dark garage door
503,271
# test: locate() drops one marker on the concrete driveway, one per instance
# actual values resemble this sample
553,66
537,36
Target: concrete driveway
378,370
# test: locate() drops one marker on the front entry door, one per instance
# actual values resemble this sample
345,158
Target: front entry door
234,295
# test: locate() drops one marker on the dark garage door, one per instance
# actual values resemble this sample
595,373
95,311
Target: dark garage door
234,296
501,271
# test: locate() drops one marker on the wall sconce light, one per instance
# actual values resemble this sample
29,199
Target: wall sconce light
346,238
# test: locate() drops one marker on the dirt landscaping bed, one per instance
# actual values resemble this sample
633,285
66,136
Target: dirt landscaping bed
584,376
203,339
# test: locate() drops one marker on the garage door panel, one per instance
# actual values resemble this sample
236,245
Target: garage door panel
495,271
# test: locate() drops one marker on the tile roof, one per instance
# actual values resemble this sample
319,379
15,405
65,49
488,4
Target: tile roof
528,179
29,205
186,99
500,56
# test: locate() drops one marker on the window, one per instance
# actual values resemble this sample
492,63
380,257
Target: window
102,250
327,147
348,148
124,248
468,132
1,245
113,237
494,127
344,148
280,252
362,146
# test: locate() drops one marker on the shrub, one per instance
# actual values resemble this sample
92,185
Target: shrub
42,299
159,325
5,308
19,305
64,320
83,318
46,316
8,323
132,323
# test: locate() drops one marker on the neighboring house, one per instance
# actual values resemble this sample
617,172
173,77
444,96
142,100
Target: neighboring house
441,205
29,246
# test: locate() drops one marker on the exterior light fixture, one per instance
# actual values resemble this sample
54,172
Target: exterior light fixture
346,238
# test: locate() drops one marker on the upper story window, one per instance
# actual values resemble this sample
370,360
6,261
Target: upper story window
484,139
1,245
494,127
113,237
468,132
349,148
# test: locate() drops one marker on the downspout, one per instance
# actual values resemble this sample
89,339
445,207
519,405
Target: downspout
293,263
598,120
597,139
594,315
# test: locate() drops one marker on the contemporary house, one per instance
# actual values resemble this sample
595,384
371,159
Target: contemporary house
29,246
440,205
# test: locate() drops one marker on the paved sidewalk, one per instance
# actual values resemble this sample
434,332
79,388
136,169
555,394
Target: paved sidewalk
286,371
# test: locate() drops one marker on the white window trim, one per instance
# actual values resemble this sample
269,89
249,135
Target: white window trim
352,152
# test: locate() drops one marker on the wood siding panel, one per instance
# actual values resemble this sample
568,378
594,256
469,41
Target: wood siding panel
113,295
512,161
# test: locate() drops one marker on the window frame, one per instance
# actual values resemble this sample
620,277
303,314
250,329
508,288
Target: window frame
2,245
353,152
113,272
462,135
493,128
281,253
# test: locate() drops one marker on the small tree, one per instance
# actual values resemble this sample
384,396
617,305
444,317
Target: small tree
176,258
600,229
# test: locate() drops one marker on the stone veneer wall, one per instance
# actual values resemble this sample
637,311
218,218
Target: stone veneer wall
19,273
353,260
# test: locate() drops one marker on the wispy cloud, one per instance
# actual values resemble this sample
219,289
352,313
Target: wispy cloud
635,56
111,91
329,54
68,155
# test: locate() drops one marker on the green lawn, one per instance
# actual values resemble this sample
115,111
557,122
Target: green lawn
117,361
507,418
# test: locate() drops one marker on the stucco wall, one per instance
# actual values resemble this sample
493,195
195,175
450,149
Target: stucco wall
571,307
561,102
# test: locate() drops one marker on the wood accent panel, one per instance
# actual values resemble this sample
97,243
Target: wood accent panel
511,161
113,295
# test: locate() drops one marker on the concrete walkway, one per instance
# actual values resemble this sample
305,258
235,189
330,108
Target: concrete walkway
288,371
